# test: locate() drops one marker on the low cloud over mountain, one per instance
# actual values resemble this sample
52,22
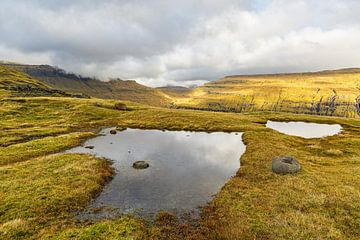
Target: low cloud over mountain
181,42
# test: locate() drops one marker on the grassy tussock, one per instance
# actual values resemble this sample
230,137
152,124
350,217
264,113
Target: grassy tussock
42,192
40,147
125,228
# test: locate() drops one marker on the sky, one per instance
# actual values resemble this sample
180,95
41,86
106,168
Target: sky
166,42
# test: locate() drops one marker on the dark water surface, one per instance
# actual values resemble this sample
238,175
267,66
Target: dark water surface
304,129
186,169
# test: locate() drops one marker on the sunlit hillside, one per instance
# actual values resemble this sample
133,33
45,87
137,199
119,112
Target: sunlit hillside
114,89
333,93
17,84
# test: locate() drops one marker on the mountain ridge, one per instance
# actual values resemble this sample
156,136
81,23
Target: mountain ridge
113,89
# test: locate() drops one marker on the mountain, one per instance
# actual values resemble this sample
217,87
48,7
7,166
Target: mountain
330,92
114,89
14,83
175,91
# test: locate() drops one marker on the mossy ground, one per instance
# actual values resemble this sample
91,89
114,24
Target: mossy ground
41,188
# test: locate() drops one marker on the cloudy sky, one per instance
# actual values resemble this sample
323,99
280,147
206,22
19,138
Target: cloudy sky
163,42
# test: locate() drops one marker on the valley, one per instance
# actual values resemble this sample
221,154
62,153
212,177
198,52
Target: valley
43,188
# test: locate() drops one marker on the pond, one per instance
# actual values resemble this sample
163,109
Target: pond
186,170
304,129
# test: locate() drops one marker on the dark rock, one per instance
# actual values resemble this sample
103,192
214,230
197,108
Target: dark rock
120,106
140,165
90,147
113,131
285,165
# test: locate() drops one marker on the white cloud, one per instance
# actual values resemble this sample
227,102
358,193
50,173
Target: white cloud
162,42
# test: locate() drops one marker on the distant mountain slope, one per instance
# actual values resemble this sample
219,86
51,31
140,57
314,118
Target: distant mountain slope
16,83
175,91
317,73
115,89
331,92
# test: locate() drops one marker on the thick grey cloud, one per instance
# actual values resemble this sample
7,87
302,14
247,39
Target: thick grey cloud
177,42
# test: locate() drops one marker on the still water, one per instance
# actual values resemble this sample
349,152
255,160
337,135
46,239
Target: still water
186,169
305,130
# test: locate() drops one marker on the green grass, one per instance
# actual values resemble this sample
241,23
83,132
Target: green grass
123,228
40,147
44,192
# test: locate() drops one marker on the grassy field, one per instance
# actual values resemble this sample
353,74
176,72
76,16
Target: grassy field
41,188
331,93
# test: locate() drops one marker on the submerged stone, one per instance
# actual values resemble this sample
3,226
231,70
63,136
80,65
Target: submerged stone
285,165
140,165
113,131
89,147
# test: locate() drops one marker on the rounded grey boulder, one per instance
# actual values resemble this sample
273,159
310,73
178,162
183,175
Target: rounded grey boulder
140,165
285,165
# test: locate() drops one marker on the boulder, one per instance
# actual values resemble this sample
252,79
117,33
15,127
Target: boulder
113,131
90,147
285,165
140,165
120,106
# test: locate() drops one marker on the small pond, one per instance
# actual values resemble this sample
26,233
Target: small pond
304,129
186,170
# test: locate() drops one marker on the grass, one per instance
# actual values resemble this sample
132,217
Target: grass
43,192
41,189
123,228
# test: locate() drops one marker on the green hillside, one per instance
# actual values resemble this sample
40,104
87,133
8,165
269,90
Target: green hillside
115,89
331,93
15,83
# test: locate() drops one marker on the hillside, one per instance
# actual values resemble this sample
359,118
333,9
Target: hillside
114,89
175,91
19,84
333,93
330,92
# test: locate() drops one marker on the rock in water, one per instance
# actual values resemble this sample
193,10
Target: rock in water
112,131
285,165
90,147
140,165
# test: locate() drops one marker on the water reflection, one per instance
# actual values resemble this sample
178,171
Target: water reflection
305,130
186,168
